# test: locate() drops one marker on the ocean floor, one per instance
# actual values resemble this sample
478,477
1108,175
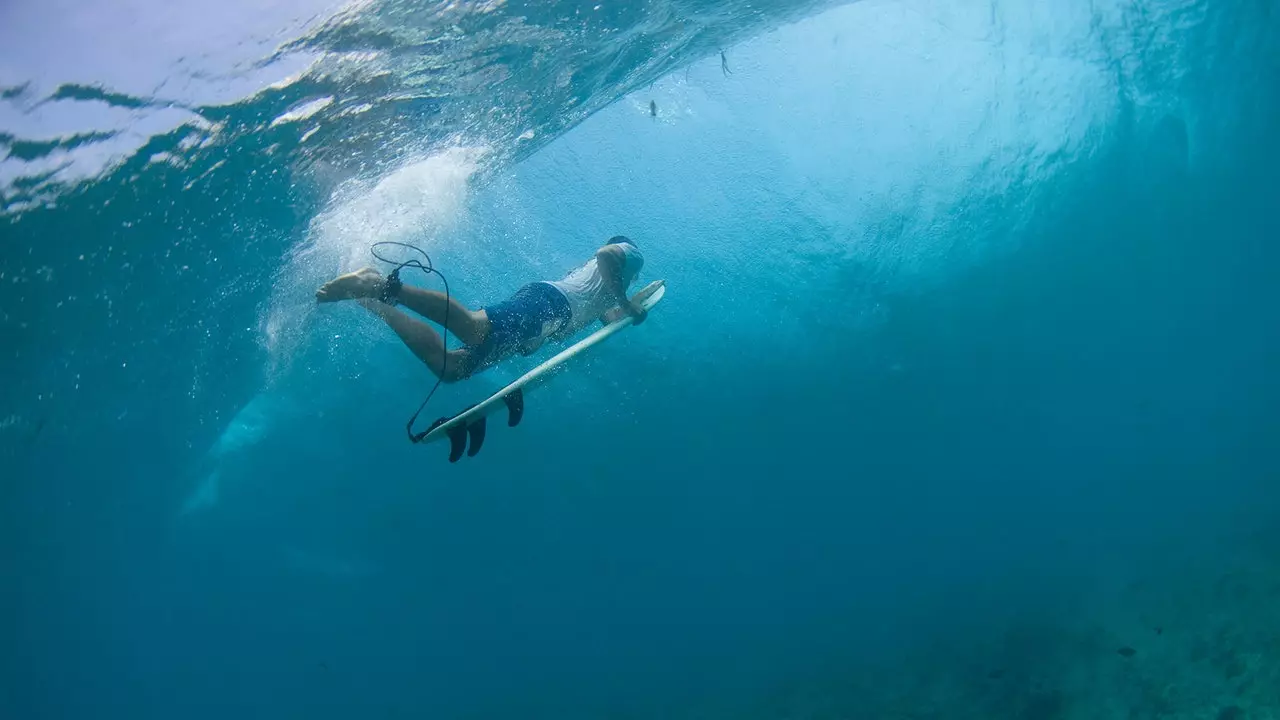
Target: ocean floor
1192,639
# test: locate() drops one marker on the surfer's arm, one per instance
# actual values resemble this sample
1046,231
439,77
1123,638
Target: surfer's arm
611,261
612,316
638,299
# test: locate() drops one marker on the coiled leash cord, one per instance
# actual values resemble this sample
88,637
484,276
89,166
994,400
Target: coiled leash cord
391,292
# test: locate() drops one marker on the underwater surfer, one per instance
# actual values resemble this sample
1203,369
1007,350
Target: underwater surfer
538,312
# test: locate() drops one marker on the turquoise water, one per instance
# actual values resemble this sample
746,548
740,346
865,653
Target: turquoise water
964,381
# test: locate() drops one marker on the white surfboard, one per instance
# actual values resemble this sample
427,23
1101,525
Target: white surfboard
466,430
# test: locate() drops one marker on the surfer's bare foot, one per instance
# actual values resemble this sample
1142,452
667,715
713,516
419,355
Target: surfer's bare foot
363,283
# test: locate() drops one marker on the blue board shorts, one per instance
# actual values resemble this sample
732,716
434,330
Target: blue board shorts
520,324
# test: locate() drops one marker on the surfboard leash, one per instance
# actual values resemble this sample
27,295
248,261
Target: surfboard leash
389,293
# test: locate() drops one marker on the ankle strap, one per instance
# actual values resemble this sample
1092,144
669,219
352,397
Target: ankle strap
390,293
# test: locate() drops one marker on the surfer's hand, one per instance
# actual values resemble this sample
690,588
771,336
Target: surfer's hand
637,312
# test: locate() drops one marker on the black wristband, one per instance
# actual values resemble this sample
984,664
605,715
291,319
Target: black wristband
391,288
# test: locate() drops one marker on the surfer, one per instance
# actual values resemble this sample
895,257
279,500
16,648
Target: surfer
538,312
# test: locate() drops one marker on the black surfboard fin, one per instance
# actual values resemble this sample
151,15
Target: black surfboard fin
457,442
515,406
476,432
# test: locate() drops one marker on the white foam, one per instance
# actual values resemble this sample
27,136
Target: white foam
303,110
419,202
416,202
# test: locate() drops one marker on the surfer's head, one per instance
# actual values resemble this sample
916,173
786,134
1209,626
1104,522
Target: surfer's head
634,260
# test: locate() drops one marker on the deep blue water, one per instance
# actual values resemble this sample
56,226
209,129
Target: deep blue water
964,379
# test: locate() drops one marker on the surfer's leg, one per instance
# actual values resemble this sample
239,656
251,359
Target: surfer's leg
470,326
425,342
